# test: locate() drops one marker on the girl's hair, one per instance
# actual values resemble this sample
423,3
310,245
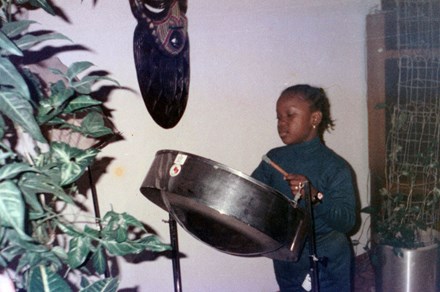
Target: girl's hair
318,102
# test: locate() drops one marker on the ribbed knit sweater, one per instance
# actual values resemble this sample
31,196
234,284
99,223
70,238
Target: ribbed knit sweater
326,171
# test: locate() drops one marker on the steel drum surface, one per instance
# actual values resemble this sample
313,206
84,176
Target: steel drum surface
225,208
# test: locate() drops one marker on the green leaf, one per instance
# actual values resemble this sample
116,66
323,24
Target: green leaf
56,71
11,77
149,242
34,183
10,171
104,285
59,252
132,221
81,102
121,233
84,86
73,161
91,232
20,111
29,259
42,4
93,126
55,121
33,257
50,107
84,282
11,207
99,261
116,226
43,279
79,249
36,211
28,40
68,229
3,128
113,219
14,28
122,248
6,155
77,68
8,45
11,251
3,262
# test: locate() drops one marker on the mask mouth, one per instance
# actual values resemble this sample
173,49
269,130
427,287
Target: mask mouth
153,9
155,4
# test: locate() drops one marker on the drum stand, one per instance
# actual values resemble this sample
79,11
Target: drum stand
313,271
175,254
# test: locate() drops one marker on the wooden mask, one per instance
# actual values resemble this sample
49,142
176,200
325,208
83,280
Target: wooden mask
161,55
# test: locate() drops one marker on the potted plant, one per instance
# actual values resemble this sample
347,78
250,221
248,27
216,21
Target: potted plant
41,246
406,219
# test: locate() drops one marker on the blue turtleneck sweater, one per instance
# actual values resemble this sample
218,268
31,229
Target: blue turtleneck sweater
326,171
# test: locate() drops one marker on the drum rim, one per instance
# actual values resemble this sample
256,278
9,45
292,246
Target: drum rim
216,164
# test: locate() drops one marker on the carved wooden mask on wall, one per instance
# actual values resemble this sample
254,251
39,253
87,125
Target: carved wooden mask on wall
161,54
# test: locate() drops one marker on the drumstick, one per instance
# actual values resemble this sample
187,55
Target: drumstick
319,195
284,173
274,165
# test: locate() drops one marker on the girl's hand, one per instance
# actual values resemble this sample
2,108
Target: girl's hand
297,182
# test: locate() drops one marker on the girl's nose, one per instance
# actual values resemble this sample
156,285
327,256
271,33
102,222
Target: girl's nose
281,122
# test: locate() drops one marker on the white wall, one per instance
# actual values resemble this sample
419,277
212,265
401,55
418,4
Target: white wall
243,53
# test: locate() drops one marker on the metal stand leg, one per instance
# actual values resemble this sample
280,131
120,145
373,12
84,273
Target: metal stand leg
175,254
98,216
312,247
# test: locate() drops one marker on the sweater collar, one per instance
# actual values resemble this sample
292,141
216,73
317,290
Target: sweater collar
306,147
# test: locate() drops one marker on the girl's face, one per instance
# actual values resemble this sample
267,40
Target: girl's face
296,120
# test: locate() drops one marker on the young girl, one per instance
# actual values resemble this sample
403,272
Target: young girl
303,114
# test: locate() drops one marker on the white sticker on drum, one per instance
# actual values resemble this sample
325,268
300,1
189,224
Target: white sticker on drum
180,159
175,169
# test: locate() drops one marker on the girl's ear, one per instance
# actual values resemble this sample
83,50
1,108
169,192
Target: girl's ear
316,118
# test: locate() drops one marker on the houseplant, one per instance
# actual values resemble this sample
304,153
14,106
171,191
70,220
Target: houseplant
406,217
41,247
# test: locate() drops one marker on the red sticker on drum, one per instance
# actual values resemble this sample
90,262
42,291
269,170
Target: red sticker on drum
175,169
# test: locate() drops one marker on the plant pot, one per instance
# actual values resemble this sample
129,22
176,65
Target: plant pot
415,271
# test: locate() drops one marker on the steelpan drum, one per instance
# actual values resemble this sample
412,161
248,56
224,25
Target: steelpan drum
225,208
